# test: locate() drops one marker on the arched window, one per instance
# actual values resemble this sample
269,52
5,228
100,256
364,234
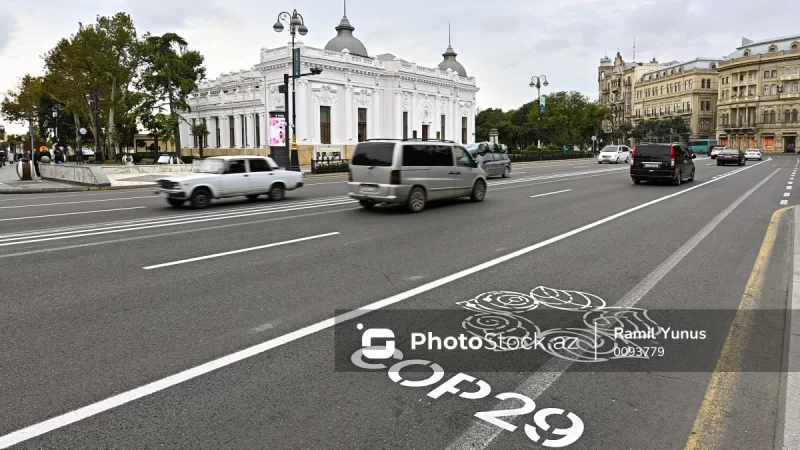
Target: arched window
766,116
772,116
795,45
773,48
794,116
786,116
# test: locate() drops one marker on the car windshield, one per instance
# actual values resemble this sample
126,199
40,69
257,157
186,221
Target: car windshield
609,149
210,166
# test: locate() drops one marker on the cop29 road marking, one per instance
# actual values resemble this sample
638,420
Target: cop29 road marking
243,250
479,437
123,398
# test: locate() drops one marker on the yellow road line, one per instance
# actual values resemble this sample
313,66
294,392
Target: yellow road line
711,421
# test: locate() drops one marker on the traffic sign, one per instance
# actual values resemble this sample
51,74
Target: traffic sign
594,138
296,62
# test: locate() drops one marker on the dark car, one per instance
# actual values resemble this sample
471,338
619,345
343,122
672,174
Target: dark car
731,156
662,162
496,164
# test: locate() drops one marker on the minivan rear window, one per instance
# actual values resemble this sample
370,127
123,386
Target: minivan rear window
652,150
373,154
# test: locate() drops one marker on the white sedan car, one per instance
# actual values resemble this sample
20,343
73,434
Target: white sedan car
229,176
715,151
753,153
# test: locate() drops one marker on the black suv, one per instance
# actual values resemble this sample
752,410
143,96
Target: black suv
662,162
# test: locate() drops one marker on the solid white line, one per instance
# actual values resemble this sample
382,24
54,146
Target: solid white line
171,223
784,202
550,193
479,436
74,213
234,252
93,409
73,203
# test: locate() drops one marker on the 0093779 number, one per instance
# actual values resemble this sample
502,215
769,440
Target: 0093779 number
568,435
638,352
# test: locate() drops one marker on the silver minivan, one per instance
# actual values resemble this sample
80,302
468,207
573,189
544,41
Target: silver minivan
413,172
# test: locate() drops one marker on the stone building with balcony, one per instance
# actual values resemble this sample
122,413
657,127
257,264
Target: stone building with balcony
759,95
687,90
358,96
616,87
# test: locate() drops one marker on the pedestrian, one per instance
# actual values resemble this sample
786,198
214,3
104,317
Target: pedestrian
36,157
2,158
79,156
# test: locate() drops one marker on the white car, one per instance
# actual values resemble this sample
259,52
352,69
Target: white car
753,153
614,154
229,176
715,151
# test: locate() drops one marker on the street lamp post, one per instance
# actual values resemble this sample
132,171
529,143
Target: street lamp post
94,98
57,115
613,119
296,25
538,82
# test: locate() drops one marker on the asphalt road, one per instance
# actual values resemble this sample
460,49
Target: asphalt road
116,302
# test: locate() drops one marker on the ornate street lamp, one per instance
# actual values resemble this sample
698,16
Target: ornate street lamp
537,82
296,25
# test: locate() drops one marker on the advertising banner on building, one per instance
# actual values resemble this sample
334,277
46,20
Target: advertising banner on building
328,152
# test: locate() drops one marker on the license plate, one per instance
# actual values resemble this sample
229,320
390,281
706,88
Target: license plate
651,164
369,189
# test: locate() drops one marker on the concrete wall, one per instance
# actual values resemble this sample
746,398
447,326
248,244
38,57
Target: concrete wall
83,175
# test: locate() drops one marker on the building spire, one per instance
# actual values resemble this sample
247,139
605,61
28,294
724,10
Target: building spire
634,49
345,8
449,41
345,23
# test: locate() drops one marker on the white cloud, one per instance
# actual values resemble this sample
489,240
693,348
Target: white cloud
502,43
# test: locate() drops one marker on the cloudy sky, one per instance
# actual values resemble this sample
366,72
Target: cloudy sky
502,43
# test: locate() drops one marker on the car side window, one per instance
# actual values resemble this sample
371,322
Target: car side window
418,155
235,167
463,158
442,155
259,165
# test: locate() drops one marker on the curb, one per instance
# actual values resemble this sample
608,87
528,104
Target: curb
789,411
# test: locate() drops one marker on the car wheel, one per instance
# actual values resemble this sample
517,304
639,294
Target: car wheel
176,202
478,191
719,163
635,181
677,180
416,199
506,172
599,162
369,204
744,162
277,192
201,198
617,161
252,196
691,178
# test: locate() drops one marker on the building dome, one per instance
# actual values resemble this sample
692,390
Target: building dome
450,60
345,40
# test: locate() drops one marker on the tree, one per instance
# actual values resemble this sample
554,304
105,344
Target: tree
23,104
170,74
201,132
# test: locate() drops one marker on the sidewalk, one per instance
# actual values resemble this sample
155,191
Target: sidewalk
791,382
11,184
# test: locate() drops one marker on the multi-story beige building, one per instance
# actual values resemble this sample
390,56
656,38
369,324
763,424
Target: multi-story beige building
759,95
687,90
616,86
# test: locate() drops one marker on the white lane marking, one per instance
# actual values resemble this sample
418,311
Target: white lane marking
553,176
171,217
264,327
550,193
535,183
581,167
520,172
708,164
788,188
791,183
784,202
171,223
327,182
73,213
122,398
785,194
171,233
242,250
73,203
479,436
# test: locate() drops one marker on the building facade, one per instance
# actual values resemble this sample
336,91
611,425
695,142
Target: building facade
759,95
357,97
687,90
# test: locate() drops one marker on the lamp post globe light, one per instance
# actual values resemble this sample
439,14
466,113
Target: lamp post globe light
296,25
537,81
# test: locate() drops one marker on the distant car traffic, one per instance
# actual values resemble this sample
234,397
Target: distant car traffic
413,173
662,162
496,165
731,156
753,153
614,154
715,151
229,176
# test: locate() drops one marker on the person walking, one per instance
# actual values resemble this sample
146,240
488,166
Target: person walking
79,156
2,158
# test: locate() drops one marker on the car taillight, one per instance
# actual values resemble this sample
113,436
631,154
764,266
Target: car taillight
672,157
633,155
395,177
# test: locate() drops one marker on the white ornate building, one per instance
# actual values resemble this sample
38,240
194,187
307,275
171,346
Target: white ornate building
356,97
